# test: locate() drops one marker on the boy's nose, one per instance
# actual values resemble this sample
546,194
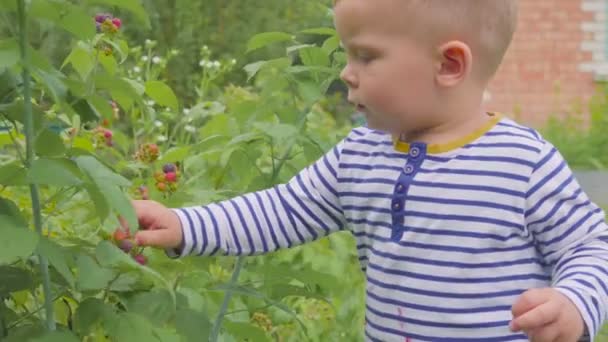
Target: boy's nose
349,77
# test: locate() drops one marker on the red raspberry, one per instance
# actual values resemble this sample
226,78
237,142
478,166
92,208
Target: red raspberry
171,177
141,259
117,22
107,134
121,234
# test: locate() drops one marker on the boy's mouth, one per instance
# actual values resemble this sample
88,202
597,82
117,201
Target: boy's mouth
361,108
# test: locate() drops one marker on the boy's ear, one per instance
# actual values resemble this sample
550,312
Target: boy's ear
454,64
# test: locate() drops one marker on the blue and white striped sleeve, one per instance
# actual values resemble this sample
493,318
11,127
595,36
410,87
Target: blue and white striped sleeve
571,233
287,215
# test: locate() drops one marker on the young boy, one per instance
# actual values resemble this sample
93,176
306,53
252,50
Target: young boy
470,227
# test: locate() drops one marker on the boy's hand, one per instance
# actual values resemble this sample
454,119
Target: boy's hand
547,315
160,226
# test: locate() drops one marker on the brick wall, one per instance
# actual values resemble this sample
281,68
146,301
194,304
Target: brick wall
558,53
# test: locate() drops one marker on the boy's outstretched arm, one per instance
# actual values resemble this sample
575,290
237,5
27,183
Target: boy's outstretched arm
572,237
286,215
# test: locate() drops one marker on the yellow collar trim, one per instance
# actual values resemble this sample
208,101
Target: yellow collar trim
402,146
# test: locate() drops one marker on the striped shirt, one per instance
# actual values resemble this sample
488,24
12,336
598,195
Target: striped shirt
448,236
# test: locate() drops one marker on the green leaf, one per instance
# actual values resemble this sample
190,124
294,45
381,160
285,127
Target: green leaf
57,336
279,132
10,209
253,68
99,172
101,106
77,22
9,53
267,38
134,6
162,94
14,279
324,31
107,185
156,305
15,113
109,63
314,56
195,326
91,311
108,255
58,257
331,44
129,327
175,154
91,276
53,81
167,335
49,144
101,205
245,331
16,241
12,174
57,172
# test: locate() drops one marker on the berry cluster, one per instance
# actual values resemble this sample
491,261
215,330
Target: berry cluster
148,153
106,24
103,136
166,180
123,239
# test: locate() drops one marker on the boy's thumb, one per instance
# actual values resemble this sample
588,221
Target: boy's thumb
161,238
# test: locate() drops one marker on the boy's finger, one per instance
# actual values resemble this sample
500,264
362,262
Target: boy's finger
161,238
529,300
548,333
538,317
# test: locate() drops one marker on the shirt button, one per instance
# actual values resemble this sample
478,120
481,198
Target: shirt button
400,188
409,169
396,206
414,152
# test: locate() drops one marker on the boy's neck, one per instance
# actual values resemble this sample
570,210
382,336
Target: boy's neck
447,131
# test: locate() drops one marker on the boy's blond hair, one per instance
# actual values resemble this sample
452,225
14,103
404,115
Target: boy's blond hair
487,26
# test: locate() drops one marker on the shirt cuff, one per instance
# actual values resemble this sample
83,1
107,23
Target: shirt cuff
588,334
185,246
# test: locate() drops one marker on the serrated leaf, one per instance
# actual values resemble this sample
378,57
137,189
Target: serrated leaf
16,242
12,174
91,311
99,172
245,331
314,56
278,132
10,210
101,106
162,94
91,276
267,38
109,63
49,144
156,305
101,205
324,31
77,22
81,60
129,327
58,258
57,172
9,53
175,154
195,326
108,255
253,69
331,44
14,279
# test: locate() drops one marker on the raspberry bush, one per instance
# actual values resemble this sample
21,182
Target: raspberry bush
82,138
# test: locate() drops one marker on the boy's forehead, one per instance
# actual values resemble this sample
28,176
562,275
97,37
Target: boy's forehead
367,16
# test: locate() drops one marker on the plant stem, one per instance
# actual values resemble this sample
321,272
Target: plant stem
224,308
241,259
29,138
